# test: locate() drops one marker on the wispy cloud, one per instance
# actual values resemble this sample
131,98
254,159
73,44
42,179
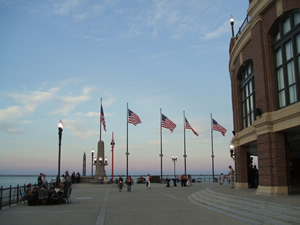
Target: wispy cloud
66,7
31,100
179,18
67,104
223,29
11,113
77,126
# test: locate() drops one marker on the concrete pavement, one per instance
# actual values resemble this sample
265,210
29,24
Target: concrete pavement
95,204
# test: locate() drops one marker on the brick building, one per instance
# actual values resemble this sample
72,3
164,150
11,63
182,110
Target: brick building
264,69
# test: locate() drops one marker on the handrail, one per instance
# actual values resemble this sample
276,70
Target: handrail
12,195
242,27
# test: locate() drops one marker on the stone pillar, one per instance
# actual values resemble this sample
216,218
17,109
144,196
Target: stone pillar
100,171
241,170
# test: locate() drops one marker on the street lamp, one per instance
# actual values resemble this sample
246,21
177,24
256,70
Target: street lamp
92,160
174,159
231,147
60,130
100,160
232,23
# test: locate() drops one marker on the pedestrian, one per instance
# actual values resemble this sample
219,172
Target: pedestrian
221,178
231,173
45,181
40,180
129,182
68,179
189,180
120,183
148,181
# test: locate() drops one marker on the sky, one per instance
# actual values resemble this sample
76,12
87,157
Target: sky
58,58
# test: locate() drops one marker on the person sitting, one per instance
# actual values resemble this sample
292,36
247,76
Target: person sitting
60,194
31,195
43,194
51,190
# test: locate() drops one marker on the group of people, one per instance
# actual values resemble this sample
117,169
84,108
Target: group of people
186,180
229,177
129,182
45,194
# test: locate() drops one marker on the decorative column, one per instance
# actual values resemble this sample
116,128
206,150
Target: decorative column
101,162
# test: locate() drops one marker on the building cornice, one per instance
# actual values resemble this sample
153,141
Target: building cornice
269,122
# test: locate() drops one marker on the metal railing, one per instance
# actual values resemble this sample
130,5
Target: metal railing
242,27
11,195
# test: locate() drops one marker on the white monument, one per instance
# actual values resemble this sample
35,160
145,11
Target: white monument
100,162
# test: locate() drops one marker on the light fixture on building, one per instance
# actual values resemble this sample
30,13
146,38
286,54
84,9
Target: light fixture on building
231,147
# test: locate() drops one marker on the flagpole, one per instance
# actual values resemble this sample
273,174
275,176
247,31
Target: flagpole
100,118
127,146
212,148
161,155
184,143
112,157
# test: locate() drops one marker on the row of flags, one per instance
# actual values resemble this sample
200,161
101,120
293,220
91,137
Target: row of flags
165,122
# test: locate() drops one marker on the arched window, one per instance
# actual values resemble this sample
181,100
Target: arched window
248,94
287,60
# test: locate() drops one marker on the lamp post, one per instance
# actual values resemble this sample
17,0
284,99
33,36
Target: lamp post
232,23
174,159
112,158
92,160
60,130
231,147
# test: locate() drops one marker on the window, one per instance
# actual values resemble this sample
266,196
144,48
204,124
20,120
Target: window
248,97
287,51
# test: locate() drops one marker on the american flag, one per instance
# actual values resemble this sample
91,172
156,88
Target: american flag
103,119
188,126
167,123
218,127
133,118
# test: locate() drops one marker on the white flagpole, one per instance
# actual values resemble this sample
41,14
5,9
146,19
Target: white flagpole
161,155
127,153
184,143
212,148
100,117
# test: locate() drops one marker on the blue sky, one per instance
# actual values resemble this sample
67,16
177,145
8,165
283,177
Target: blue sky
58,58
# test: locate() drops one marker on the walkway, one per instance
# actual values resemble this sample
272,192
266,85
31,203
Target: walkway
95,204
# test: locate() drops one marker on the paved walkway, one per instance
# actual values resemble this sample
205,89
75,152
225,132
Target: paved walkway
95,204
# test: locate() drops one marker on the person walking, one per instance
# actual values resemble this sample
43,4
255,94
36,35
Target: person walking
148,181
120,183
231,173
129,182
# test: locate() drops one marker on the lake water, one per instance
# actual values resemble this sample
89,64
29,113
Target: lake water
6,181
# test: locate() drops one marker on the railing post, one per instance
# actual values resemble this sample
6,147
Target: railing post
9,202
18,194
1,190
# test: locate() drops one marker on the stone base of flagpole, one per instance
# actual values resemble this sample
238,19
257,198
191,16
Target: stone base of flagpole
100,163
